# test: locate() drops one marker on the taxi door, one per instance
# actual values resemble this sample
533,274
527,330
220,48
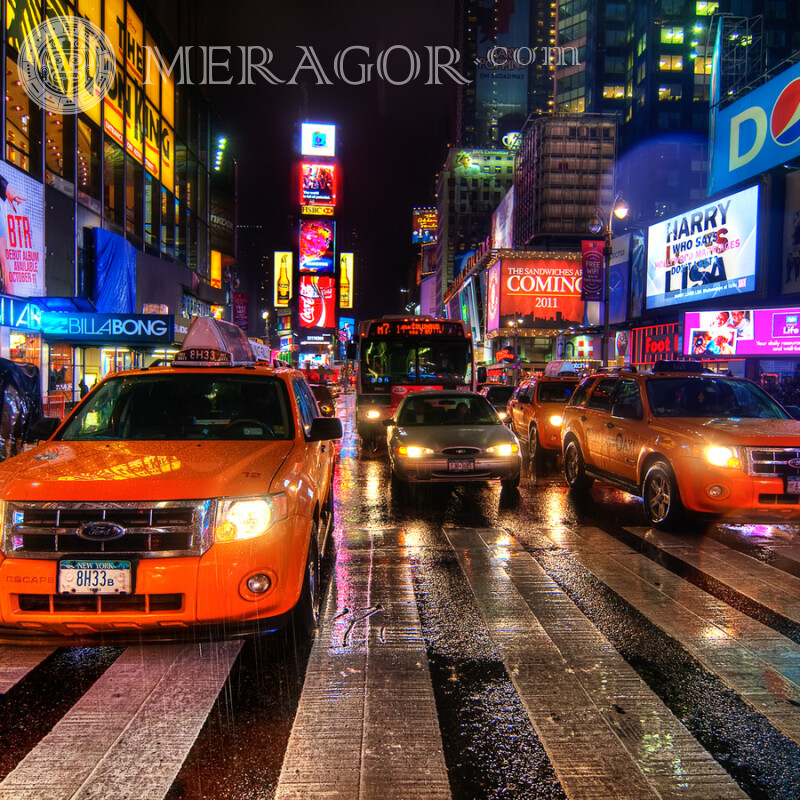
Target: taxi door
519,406
623,439
596,423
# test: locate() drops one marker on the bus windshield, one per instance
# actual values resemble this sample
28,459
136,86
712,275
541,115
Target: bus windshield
405,361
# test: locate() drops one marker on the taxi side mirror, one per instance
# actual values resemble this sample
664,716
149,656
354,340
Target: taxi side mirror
626,411
387,423
323,428
43,429
524,399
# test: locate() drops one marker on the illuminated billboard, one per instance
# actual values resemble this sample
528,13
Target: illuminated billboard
545,291
423,224
317,139
742,332
317,301
503,222
317,184
704,253
317,241
493,299
346,280
282,279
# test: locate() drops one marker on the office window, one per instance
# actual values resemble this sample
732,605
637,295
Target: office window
167,223
152,207
22,124
134,202
705,9
612,92
671,63
59,151
113,180
670,91
671,35
702,66
88,167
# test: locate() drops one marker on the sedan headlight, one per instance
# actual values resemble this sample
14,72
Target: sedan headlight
556,420
502,414
723,457
503,449
412,451
248,517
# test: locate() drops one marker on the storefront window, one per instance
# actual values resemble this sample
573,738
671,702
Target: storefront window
61,372
23,124
113,166
59,151
167,223
24,348
151,212
88,164
134,205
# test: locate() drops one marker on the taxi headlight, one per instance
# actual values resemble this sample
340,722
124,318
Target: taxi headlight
723,457
411,451
502,414
556,420
503,449
248,517
373,414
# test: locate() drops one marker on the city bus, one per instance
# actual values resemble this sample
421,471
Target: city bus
397,355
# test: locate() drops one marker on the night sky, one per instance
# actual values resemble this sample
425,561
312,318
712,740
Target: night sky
391,140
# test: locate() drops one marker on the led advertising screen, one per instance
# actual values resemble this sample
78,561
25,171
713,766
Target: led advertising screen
546,292
704,253
282,293
742,332
317,239
493,299
317,301
317,139
345,280
317,184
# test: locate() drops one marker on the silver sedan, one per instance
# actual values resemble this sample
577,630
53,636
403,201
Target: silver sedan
451,437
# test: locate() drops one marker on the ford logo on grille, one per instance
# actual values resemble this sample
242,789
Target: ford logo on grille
794,462
100,531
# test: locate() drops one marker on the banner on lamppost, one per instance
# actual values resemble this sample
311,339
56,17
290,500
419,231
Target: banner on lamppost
592,270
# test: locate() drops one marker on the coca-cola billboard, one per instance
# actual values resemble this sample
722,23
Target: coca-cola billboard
317,301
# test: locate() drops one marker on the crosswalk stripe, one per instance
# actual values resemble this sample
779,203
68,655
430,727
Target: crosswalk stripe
366,725
130,733
16,662
759,664
771,587
590,709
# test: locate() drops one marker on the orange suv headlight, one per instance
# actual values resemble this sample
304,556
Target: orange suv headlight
723,457
556,420
247,517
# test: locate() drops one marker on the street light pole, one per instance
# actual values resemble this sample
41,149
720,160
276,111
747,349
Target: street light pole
601,224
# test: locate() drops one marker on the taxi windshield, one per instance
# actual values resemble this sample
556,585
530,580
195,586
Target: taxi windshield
708,397
180,407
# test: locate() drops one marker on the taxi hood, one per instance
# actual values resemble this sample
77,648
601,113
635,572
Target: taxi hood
753,432
141,471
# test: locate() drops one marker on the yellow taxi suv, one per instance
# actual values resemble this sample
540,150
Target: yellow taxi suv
685,441
173,497
536,411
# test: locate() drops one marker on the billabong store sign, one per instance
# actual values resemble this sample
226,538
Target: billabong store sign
99,329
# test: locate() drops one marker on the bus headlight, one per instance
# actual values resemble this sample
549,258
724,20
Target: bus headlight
373,414
248,517
723,457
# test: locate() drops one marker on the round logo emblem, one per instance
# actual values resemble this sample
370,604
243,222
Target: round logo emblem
100,531
785,121
794,462
66,65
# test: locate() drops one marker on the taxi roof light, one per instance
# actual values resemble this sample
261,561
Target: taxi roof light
214,341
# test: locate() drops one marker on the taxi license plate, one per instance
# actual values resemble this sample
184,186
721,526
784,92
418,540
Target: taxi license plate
460,465
793,484
94,577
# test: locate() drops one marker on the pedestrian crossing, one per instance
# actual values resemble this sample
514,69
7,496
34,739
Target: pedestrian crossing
367,722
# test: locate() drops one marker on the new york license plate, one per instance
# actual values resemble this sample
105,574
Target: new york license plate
460,465
94,577
793,484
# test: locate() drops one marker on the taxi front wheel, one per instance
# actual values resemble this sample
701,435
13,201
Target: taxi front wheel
305,616
662,502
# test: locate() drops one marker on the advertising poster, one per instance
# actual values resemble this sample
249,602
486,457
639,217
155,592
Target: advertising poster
742,332
619,279
317,139
317,239
593,271
21,234
345,280
240,309
704,253
493,299
424,223
317,301
503,222
547,291
791,235
283,279
317,184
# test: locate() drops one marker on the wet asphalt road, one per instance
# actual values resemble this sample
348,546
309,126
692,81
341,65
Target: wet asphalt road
490,743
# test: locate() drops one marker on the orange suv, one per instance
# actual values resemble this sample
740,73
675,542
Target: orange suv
535,413
684,440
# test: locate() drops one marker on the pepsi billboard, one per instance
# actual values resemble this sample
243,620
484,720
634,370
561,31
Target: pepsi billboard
756,133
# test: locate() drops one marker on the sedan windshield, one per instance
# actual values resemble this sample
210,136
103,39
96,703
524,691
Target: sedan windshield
447,410
710,397
181,407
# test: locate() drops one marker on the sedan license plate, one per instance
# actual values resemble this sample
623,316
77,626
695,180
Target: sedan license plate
460,465
793,484
94,577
